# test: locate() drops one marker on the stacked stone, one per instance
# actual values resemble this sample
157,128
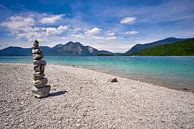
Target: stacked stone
40,88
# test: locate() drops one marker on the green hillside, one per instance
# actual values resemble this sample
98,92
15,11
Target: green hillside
180,48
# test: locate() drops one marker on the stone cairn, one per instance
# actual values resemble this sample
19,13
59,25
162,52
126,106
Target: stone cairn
40,88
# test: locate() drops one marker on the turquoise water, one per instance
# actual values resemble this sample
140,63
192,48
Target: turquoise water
175,72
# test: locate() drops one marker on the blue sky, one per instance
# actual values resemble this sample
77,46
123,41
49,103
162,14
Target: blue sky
114,25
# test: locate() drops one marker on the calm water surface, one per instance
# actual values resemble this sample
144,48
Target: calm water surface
175,72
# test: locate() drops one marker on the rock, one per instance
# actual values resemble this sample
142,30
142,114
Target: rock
36,42
39,68
35,61
40,89
38,56
6,124
35,46
41,72
36,51
32,123
38,76
185,89
41,92
114,80
40,83
39,62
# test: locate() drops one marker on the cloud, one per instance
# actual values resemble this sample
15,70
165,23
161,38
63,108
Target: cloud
57,30
77,35
18,22
102,35
51,19
128,20
76,29
133,32
111,34
93,31
27,27
111,38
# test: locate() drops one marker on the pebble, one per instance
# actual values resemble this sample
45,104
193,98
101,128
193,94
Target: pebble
114,80
96,96
32,123
6,124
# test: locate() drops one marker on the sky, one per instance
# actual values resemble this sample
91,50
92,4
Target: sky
114,25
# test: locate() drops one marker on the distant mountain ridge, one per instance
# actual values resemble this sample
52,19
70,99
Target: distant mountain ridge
140,47
68,49
77,49
179,48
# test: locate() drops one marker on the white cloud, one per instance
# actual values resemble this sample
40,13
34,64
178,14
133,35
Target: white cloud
111,38
77,35
111,34
133,32
95,34
77,29
58,30
93,31
97,37
51,19
26,27
128,20
18,22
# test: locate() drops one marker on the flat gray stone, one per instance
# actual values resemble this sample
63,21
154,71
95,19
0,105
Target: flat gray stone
40,66
38,76
40,72
35,46
40,83
41,92
36,51
36,41
39,62
38,56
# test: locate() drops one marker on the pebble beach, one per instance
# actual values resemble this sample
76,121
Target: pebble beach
87,99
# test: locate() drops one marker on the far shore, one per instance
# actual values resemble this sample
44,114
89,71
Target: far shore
83,98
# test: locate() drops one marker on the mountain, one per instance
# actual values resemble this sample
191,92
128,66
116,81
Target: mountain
77,49
173,46
140,47
15,51
179,48
68,49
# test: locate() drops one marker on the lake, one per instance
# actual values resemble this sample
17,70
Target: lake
174,72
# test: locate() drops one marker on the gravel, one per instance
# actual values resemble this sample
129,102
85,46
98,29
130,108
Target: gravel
86,99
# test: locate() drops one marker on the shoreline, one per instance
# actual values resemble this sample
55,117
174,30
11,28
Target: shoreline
173,87
156,83
82,98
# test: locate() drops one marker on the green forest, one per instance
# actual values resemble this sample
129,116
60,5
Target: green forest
180,48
